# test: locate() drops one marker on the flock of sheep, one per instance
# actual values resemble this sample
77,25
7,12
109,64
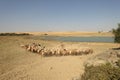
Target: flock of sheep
42,50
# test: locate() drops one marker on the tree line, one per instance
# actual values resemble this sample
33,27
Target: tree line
14,34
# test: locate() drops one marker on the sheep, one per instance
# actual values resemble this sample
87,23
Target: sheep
22,46
61,51
38,48
73,52
41,51
57,52
28,48
53,52
65,52
79,52
70,52
87,51
46,52
49,52
35,47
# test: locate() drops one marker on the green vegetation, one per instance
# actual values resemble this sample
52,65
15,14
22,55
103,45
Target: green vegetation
103,72
116,32
13,34
118,63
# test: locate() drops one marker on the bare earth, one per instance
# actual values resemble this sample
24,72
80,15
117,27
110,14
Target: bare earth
18,64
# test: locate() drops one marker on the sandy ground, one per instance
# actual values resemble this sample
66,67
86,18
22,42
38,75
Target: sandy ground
18,64
72,33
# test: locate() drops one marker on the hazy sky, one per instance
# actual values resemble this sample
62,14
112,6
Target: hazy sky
59,15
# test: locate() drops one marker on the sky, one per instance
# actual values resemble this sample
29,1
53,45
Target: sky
58,15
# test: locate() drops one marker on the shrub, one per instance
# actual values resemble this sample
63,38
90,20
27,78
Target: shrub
103,72
118,63
116,33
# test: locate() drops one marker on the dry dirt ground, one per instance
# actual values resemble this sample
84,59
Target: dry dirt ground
72,33
18,64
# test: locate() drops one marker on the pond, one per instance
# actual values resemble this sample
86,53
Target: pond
79,39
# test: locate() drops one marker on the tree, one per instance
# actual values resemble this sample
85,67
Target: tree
116,33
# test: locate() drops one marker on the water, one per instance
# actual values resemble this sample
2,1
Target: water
80,39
